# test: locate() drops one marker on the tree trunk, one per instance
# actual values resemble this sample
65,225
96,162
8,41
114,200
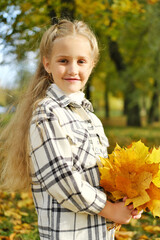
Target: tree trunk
106,102
131,107
87,90
153,115
116,56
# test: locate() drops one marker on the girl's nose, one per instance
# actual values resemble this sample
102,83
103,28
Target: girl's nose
73,69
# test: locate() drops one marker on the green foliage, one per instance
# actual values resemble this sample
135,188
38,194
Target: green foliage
4,119
132,24
2,97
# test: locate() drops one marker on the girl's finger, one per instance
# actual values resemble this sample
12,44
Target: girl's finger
124,199
136,214
130,207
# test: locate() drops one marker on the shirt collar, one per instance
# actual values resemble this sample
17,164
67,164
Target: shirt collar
63,100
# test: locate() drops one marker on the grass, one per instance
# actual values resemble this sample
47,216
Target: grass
18,221
18,218
150,135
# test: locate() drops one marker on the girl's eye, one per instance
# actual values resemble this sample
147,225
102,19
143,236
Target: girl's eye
63,60
81,61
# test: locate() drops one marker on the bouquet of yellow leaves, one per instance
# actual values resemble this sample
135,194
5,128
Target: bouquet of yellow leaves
133,172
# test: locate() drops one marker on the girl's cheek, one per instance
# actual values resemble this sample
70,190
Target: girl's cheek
61,69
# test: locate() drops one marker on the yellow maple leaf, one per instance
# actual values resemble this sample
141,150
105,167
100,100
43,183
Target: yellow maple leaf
154,157
138,201
156,179
141,183
151,168
131,172
118,195
156,208
124,184
135,155
107,183
154,203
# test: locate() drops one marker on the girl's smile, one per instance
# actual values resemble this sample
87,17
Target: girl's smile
70,63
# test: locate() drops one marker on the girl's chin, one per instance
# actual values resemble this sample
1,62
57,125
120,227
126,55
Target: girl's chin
72,90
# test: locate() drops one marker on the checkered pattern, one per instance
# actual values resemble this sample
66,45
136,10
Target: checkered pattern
66,141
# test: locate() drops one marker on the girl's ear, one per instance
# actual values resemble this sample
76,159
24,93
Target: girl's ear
46,64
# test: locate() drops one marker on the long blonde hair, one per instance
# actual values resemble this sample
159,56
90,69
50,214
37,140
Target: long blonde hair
14,144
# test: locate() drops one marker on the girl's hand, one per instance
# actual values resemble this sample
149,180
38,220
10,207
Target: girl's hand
136,214
117,212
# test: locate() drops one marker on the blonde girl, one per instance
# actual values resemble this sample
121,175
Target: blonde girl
54,141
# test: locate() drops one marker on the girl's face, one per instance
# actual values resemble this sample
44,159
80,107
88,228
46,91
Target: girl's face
71,63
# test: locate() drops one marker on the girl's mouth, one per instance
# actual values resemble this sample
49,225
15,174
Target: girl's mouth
72,79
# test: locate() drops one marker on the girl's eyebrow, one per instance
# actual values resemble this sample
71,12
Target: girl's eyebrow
68,56
62,56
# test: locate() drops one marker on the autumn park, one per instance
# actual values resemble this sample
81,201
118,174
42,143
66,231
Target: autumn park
123,88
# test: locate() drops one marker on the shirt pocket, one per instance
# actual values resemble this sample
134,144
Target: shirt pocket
83,154
77,136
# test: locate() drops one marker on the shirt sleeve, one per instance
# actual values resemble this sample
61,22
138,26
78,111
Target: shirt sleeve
52,162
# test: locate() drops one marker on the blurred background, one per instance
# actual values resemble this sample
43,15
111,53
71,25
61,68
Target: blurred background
124,87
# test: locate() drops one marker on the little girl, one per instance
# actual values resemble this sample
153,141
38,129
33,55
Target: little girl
54,142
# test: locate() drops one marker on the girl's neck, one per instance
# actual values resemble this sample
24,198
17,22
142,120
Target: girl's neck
75,97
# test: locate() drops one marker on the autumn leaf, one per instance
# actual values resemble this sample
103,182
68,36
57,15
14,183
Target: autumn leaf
133,172
139,200
17,215
152,229
154,203
12,236
156,180
152,1
141,183
124,184
154,156
12,213
125,235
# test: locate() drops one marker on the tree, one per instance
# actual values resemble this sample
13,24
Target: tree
122,25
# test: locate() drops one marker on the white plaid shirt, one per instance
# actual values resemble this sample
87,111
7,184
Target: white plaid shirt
66,140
